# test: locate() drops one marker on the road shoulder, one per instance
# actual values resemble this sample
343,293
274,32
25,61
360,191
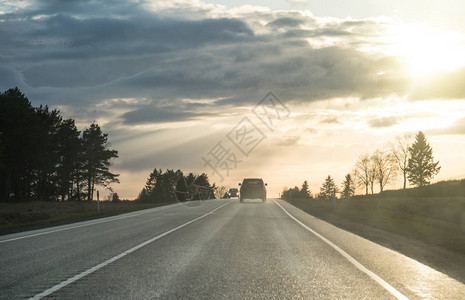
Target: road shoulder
406,273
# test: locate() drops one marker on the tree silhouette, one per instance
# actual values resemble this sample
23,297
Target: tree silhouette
401,153
42,156
384,167
97,159
173,186
295,192
305,191
421,167
69,149
328,189
17,145
46,152
291,193
115,197
363,171
221,191
348,187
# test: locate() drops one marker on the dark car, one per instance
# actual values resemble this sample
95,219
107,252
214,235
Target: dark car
233,193
253,188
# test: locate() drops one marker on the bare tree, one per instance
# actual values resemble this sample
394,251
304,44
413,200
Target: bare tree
220,191
362,171
400,151
384,168
371,175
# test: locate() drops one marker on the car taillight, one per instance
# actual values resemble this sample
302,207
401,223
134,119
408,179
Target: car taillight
264,188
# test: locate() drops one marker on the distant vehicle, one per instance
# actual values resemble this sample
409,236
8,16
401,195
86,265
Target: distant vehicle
252,188
233,193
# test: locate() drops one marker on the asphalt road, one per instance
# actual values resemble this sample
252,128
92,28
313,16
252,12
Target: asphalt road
220,249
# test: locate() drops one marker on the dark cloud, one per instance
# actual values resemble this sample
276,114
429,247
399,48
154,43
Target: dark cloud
64,37
383,122
81,53
311,131
330,120
371,26
287,141
159,115
320,32
286,22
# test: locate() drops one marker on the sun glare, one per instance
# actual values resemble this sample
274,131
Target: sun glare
425,50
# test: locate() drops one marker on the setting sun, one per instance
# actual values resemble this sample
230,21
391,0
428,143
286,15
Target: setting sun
425,50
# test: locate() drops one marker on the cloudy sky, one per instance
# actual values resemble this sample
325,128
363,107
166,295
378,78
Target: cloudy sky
172,81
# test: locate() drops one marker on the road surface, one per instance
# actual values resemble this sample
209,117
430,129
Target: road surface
221,249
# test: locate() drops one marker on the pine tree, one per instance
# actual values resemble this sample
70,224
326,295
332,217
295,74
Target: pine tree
69,148
421,167
43,157
328,189
115,197
305,192
348,187
17,133
97,159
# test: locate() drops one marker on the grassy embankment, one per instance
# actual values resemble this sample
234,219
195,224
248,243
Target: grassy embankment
28,215
432,214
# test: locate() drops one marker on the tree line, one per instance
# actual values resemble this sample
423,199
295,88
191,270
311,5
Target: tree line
328,189
44,157
296,192
412,159
171,186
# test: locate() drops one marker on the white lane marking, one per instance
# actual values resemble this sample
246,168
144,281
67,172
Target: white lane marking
89,223
115,258
361,267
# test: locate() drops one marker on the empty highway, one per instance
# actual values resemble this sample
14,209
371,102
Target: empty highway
218,249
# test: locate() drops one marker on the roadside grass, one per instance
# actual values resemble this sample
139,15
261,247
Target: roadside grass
16,217
436,220
428,229
450,188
